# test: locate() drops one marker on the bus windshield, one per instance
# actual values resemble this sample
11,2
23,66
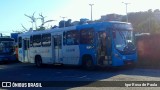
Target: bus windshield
123,39
6,47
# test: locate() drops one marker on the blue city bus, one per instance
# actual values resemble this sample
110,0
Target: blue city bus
89,45
7,51
111,44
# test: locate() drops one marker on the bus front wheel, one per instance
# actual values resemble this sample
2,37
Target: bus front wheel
38,61
88,63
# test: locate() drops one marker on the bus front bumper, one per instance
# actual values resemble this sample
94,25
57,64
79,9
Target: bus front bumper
7,58
4,59
129,62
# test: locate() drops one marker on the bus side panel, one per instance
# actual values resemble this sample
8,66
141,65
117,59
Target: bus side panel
84,48
90,52
71,54
117,62
20,55
31,55
116,58
44,52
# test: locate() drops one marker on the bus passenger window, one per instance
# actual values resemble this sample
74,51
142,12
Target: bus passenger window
46,40
87,36
36,40
20,42
25,44
72,37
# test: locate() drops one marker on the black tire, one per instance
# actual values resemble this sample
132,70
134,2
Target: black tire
88,63
38,61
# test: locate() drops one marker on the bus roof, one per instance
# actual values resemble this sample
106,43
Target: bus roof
119,22
6,39
34,32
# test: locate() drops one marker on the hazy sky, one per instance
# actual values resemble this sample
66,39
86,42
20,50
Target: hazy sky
12,11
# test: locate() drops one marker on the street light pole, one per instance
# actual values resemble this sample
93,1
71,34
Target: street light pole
126,11
91,10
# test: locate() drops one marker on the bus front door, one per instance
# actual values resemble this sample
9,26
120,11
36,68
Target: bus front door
103,48
26,50
57,48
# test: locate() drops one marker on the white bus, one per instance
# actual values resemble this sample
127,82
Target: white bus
89,45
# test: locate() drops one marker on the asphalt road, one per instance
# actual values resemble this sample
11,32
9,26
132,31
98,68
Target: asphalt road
28,72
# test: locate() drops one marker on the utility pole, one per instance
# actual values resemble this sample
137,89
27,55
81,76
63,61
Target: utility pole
91,10
126,11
